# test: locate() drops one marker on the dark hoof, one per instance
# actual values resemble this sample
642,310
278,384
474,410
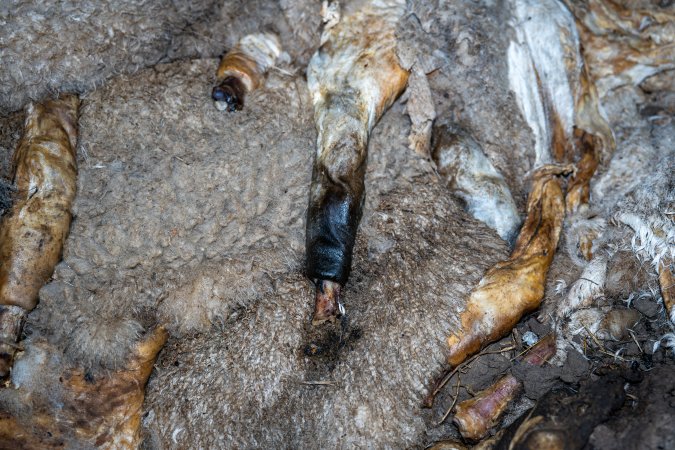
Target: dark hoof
229,95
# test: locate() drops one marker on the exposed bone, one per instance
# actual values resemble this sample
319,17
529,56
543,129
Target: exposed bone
102,411
33,232
624,45
474,417
243,68
515,286
473,178
353,78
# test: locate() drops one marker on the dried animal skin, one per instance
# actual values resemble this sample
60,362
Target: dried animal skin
474,417
353,78
472,177
516,286
243,68
33,232
624,45
112,405
667,283
555,94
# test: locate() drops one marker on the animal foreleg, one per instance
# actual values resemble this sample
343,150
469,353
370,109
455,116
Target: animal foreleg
33,232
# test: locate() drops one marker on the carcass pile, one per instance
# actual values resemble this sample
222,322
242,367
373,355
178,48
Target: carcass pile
404,224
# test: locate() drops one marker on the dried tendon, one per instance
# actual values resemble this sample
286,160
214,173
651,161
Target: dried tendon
516,286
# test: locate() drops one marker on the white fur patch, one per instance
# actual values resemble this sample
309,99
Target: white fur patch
654,237
586,289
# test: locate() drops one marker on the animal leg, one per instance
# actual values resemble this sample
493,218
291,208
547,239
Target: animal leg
353,78
516,286
33,232
242,69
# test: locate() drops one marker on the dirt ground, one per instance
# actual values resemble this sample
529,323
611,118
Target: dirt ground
193,218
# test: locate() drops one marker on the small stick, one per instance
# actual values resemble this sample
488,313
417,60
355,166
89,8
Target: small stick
454,402
319,383
429,401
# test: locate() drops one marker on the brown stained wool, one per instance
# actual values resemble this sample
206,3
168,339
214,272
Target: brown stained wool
462,47
191,219
625,41
401,300
178,219
56,46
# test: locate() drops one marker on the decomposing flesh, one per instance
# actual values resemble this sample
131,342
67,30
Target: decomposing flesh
242,69
353,78
33,232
